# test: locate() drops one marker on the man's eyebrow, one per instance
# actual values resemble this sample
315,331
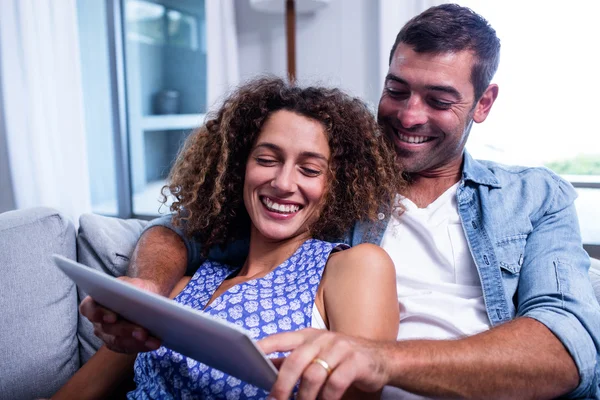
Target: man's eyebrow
395,78
446,89
307,154
436,88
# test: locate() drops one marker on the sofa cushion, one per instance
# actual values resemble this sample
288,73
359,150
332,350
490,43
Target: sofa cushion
104,244
38,342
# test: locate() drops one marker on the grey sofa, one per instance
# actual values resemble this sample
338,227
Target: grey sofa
43,340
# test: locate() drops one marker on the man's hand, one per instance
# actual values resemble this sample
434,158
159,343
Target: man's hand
117,333
352,361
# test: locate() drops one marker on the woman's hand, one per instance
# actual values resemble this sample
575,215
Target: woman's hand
117,333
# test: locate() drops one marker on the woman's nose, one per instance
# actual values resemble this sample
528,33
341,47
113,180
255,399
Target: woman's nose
284,180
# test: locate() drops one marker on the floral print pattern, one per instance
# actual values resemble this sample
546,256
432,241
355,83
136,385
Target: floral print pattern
281,301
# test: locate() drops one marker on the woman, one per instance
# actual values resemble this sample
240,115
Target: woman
289,168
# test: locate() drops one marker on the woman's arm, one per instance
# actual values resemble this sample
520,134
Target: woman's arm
357,296
105,375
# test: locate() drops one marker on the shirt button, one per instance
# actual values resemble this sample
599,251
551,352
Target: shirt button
381,216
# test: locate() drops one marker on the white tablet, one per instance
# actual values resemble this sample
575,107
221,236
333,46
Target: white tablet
214,342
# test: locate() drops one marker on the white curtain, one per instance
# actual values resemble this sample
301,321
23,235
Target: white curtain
223,72
393,14
43,105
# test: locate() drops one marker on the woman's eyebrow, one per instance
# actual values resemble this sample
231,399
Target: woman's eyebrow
307,154
312,154
268,145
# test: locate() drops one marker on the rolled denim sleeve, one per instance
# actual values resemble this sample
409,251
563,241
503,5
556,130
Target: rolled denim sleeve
555,288
234,253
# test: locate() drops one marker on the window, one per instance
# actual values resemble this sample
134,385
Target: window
546,109
144,73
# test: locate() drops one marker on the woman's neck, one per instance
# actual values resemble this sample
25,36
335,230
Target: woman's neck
265,255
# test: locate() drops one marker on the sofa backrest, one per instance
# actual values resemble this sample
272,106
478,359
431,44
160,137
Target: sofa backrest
104,244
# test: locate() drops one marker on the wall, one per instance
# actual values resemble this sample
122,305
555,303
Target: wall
337,45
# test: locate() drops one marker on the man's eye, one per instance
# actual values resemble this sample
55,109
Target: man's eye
440,105
267,162
396,92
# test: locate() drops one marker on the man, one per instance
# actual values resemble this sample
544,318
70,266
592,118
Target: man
492,277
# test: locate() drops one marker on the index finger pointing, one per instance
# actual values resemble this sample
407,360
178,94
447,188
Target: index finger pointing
285,341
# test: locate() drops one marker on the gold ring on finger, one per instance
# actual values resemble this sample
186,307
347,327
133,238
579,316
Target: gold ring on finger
323,364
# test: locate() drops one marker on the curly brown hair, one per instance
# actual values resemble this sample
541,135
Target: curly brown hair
207,178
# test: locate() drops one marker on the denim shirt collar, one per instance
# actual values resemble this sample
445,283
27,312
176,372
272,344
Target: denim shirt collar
477,172
372,232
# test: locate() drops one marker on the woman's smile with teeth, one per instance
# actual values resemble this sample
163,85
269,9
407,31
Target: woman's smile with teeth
280,208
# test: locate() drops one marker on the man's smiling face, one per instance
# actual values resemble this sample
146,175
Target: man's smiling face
427,108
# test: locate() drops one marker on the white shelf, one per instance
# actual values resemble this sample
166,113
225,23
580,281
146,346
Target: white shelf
172,121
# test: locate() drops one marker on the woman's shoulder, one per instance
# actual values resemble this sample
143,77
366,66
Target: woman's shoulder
361,251
360,258
360,285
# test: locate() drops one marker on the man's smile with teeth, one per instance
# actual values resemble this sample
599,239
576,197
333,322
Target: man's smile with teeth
280,208
413,139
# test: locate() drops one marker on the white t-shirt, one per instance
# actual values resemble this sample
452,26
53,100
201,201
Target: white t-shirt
317,321
439,291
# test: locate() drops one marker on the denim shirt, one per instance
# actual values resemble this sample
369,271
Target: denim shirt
523,234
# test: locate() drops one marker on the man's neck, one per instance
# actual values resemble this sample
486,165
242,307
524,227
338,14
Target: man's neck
424,190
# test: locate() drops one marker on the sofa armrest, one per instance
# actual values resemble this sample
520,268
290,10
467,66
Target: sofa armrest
38,345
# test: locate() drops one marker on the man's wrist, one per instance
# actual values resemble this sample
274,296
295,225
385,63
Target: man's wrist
145,284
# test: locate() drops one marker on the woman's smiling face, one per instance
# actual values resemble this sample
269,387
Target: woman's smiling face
286,176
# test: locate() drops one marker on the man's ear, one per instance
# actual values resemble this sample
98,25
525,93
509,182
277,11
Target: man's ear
484,105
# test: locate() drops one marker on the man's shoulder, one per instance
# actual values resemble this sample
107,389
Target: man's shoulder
507,174
538,187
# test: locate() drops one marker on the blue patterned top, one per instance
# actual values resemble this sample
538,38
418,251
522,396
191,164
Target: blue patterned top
281,301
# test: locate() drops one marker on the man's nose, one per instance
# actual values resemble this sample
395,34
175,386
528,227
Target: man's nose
413,112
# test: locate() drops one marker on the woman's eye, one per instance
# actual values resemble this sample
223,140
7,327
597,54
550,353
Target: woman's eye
267,162
311,171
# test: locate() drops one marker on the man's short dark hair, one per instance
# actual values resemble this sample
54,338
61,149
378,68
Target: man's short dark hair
453,28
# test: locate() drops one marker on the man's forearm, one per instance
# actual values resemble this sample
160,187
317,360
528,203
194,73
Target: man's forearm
160,257
521,359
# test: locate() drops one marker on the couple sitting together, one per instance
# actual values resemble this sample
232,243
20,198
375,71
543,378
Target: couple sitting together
426,273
